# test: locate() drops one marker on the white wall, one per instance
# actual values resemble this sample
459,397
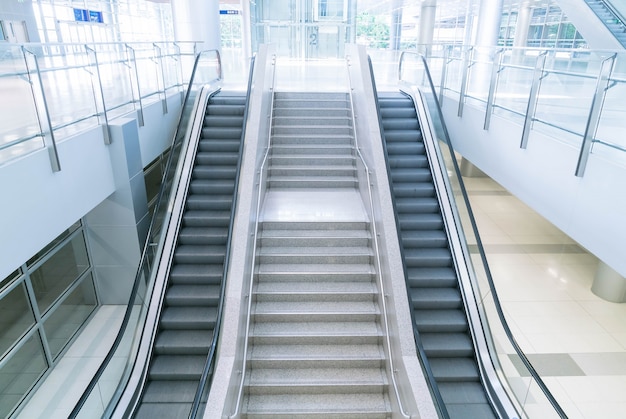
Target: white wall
589,209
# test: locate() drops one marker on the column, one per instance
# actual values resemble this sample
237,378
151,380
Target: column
197,20
523,24
609,284
427,24
396,24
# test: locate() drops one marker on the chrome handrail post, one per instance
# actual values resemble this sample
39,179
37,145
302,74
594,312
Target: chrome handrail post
134,82
493,84
538,75
467,63
444,71
160,75
179,71
98,94
593,120
43,112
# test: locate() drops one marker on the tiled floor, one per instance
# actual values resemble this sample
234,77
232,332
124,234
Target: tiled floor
575,340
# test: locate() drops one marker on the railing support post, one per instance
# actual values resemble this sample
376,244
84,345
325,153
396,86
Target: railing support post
444,72
179,73
158,56
133,76
532,98
493,84
41,106
98,94
467,63
593,120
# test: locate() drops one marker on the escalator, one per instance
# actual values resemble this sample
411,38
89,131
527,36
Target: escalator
197,275
610,17
437,305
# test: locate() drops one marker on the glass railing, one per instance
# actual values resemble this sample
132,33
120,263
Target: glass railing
107,383
523,385
574,96
51,91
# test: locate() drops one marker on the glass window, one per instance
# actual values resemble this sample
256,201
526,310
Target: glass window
16,317
20,374
56,274
69,316
6,281
53,244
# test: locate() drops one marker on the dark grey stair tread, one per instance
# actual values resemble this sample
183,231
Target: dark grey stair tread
456,370
183,342
203,235
209,202
177,367
189,317
163,410
440,320
179,294
197,274
447,344
170,392
431,298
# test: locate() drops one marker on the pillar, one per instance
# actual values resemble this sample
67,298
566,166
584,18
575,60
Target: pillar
523,24
427,24
197,20
396,24
609,284
489,17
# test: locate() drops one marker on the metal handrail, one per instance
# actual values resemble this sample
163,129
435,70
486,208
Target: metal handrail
430,377
218,322
379,273
254,249
480,247
144,261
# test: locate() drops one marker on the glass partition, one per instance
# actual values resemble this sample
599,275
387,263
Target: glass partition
110,379
52,91
525,388
573,95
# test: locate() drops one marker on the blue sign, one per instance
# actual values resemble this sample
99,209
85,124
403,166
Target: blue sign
83,15
229,12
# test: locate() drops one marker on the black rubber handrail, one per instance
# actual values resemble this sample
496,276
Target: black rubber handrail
144,261
207,377
479,243
430,377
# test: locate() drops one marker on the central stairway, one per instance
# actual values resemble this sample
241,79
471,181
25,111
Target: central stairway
315,342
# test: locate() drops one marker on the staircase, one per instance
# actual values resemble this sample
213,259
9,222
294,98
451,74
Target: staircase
315,343
196,277
438,310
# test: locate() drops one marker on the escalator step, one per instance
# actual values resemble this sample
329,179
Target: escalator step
428,221
400,124
405,140
214,202
203,235
205,158
432,277
177,367
214,172
428,258
195,218
417,205
416,190
441,321
199,254
201,274
183,342
180,318
219,145
223,121
436,298
391,113
221,133
455,370
411,175
192,295
424,239
447,345
400,161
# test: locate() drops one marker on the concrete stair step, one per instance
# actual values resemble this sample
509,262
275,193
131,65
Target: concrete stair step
286,289
301,327
319,352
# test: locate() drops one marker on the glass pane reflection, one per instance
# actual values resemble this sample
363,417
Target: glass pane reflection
55,275
69,316
20,374
16,317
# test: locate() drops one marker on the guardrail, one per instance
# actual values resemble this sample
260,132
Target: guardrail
575,95
53,90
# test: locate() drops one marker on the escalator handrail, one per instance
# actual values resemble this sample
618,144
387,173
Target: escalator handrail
255,234
430,377
202,385
178,137
379,274
479,243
